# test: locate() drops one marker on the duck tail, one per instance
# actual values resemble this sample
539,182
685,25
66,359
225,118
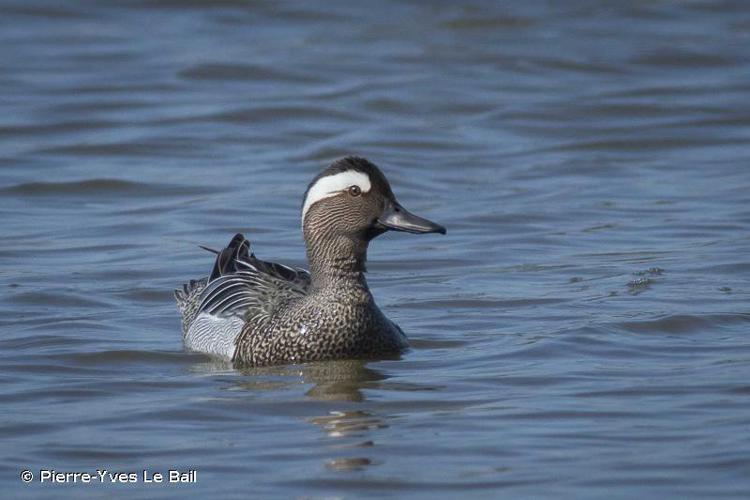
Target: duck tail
188,299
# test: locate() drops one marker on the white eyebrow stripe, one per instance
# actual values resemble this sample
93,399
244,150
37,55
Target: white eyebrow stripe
331,185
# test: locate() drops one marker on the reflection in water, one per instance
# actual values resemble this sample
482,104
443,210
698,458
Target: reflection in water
348,464
335,381
331,380
348,427
339,424
340,380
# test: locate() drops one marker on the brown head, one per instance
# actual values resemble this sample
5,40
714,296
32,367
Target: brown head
347,205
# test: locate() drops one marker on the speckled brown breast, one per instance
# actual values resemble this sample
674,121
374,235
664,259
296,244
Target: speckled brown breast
332,323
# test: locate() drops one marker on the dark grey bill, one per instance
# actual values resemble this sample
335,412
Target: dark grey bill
397,218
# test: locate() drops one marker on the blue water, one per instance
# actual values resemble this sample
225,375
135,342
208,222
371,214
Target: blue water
581,332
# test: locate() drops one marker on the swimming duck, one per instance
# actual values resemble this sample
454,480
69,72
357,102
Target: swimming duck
263,313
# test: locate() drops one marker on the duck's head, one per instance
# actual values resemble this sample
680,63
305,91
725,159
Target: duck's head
352,199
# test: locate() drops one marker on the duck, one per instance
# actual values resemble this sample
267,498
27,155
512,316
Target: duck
257,313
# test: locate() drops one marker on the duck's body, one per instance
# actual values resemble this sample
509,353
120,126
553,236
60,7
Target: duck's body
260,313
329,323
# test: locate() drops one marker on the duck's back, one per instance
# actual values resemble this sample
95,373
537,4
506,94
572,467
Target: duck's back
241,290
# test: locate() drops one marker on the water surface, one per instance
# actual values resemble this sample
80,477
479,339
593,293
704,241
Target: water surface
581,331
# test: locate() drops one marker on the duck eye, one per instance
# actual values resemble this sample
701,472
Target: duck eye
355,190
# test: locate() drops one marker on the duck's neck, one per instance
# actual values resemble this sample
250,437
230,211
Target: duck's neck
337,262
